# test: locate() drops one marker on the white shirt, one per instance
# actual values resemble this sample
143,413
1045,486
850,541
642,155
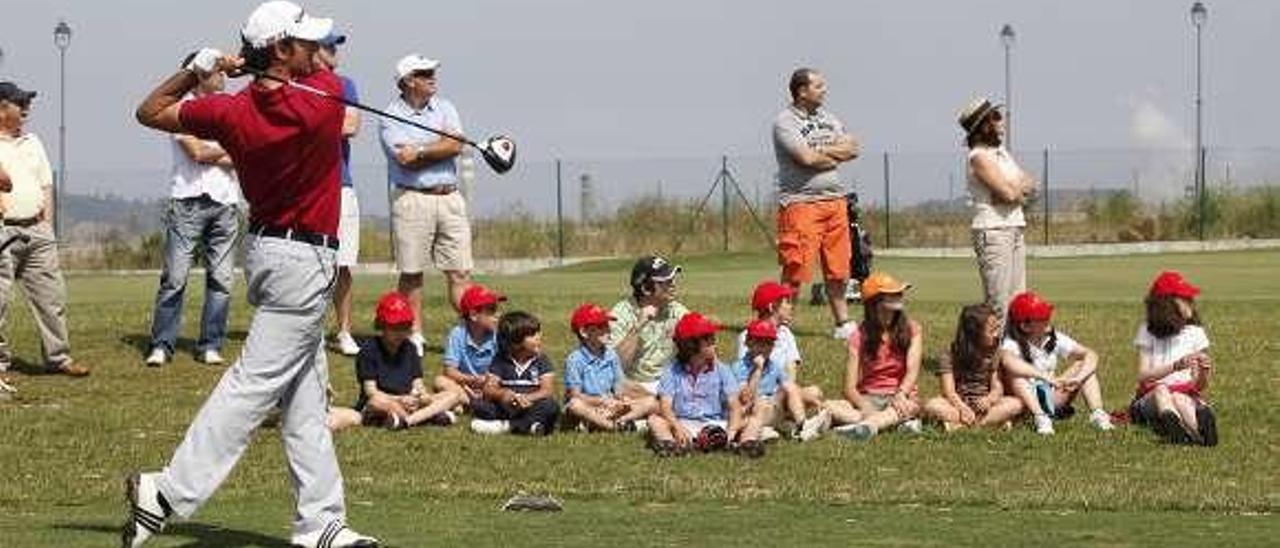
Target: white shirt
1162,352
1045,361
191,178
24,159
785,349
987,213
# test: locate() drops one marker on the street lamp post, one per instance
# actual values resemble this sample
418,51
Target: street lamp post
1198,16
61,39
1007,38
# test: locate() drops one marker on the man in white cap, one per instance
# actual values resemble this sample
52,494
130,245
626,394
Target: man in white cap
285,146
428,213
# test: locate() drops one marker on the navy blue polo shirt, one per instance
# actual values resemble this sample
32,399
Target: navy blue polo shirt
521,379
393,371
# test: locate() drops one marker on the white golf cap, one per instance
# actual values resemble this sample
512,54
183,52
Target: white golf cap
412,62
278,19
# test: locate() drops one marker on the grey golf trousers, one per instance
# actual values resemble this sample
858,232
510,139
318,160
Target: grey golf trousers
282,363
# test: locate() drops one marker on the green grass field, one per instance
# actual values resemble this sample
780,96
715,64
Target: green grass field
68,443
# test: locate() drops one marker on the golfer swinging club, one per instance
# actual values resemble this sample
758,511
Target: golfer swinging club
285,146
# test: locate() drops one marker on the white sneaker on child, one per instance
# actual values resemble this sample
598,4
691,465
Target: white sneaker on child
769,433
1044,425
1101,420
490,427
911,426
814,426
336,534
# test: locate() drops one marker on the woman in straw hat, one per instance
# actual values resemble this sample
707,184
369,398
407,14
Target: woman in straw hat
998,188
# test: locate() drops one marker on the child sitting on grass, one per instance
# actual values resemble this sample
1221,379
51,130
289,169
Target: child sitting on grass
389,371
884,355
470,345
697,395
518,390
1030,354
1174,366
972,394
593,378
772,302
762,380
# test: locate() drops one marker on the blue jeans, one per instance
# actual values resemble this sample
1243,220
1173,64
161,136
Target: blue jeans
212,226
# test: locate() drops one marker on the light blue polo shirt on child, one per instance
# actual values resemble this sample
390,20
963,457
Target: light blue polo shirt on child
772,376
463,354
438,113
593,374
700,397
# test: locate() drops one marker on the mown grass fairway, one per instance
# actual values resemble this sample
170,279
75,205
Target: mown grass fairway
68,443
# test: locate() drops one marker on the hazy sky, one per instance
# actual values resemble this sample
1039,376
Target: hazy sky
694,79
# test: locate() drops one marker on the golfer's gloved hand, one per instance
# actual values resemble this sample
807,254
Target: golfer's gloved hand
205,61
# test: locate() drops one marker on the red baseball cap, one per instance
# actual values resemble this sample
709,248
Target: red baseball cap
589,314
693,326
769,292
1170,283
477,297
762,329
394,309
1030,307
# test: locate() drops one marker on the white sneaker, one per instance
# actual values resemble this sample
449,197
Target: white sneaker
911,426
853,291
210,357
419,343
347,344
490,427
769,433
334,535
843,331
1044,425
642,426
148,510
157,357
1101,420
814,426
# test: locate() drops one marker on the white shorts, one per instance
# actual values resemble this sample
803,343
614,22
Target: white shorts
349,229
692,427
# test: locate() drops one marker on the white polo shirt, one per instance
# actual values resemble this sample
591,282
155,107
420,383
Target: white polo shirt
24,159
191,178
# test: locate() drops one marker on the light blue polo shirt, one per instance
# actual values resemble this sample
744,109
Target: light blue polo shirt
592,374
701,397
771,377
463,354
438,113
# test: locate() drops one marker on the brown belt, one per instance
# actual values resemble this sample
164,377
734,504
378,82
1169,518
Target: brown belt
438,190
30,221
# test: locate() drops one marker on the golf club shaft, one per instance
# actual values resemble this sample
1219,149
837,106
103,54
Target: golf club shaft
353,104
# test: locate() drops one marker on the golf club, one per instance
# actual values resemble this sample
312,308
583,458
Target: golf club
498,151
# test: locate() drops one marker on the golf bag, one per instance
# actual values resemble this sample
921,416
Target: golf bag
859,257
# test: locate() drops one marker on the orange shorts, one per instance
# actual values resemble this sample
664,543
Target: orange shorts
809,230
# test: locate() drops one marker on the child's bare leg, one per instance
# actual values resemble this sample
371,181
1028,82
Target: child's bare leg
1022,390
640,408
445,384
761,413
1092,391
843,412
592,414
793,399
439,403
1186,409
883,419
812,397
1005,409
660,429
1163,399
341,418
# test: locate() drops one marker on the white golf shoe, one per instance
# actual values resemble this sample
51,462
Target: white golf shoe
334,535
148,510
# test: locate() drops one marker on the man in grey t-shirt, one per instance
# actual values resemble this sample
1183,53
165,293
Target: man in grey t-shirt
810,143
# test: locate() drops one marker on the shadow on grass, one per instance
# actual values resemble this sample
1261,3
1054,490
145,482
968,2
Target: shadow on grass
200,535
142,341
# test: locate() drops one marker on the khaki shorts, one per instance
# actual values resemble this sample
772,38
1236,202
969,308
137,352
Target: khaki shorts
349,229
431,231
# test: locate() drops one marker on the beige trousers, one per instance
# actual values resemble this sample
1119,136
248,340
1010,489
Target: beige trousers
34,265
1002,265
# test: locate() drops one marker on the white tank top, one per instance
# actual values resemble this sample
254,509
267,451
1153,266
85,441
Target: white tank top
986,213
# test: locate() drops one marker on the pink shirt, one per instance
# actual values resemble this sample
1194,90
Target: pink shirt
883,373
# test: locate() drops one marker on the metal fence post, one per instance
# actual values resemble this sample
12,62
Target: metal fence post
724,201
559,212
1045,177
888,240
